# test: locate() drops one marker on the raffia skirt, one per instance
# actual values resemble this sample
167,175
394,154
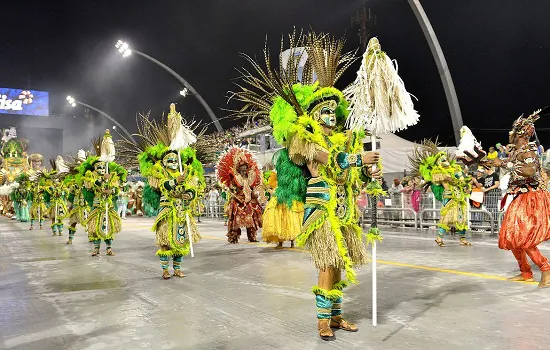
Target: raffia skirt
526,222
281,223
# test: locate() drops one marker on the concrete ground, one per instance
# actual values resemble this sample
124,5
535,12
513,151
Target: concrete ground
250,296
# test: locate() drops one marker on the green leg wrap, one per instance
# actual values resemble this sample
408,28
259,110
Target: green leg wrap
72,231
108,242
164,261
176,262
97,244
324,307
337,307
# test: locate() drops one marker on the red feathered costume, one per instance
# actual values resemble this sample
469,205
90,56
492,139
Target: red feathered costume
240,173
526,223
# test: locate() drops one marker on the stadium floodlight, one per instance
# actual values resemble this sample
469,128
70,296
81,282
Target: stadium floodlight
124,48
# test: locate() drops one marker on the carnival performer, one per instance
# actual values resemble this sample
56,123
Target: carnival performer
281,223
21,197
239,171
449,184
37,206
525,224
308,116
57,193
103,176
173,171
80,198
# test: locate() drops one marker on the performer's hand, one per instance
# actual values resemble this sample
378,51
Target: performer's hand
187,196
375,174
370,157
313,168
496,162
180,179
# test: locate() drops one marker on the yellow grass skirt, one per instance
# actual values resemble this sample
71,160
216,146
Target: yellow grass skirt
281,223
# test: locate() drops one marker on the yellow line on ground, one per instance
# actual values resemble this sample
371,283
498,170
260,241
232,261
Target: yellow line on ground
400,264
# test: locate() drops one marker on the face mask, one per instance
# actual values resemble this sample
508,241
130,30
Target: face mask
100,168
171,162
328,118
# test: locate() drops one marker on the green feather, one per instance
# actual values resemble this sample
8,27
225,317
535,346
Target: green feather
291,183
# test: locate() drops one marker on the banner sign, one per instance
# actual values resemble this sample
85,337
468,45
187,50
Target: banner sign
24,102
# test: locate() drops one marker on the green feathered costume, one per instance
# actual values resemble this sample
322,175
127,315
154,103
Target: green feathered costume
103,222
308,117
177,192
449,185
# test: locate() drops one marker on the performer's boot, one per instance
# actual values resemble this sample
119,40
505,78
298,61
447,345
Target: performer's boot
251,233
233,235
176,264
463,241
292,244
439,237
60,229
545,279
109,250
279,246
54,229
324,314
97,244
72,230
32,225
337,321
41,222
164,263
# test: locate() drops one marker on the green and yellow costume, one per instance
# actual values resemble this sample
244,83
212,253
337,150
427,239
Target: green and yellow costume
81,202
38,207
321,167
449,184
56,192
177,191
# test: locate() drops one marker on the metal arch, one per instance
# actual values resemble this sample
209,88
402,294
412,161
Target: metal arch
443,69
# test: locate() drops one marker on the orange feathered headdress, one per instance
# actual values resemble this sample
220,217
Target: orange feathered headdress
229,163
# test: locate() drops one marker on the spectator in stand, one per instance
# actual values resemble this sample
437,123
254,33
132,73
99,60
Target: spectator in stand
501,151
477,181
213,197
384,185
395,195
492,192
492,154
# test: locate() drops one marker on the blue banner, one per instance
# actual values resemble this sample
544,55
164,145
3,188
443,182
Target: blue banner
24,102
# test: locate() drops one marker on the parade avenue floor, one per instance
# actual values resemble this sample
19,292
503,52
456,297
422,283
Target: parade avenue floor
251,296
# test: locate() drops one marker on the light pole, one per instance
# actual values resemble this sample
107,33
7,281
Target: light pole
125,50
74,102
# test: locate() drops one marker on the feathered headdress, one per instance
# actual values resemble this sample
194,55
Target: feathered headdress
289,91
154,139
424,158
525,127
230,161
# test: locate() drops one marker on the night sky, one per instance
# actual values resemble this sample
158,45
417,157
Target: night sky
498,52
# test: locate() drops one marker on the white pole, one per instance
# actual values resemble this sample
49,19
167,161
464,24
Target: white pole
107,204
374,287
189,233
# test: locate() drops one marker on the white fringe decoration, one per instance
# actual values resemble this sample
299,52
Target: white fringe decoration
7,189
378,99
107,149
60,165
